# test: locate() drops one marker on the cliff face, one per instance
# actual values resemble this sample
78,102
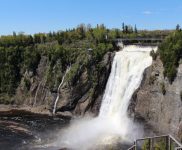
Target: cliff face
84,95
158,102
36,96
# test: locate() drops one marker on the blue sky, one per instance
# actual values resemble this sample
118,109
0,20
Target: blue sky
32,16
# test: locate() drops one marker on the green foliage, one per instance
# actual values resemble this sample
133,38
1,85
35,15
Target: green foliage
6,99
170,72
16,40
145,146
177,27
10,69
161,145
100,33
135,30
100,50
31,58
73,73
170,53
157,145
27,84
113,34
128,29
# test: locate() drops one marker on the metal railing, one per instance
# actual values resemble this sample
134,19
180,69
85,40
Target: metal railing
164,142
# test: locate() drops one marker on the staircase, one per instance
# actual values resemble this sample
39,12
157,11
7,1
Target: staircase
164,142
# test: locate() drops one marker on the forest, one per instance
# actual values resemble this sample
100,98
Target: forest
20,52
170,52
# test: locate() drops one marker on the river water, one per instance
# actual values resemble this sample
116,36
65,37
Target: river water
21,130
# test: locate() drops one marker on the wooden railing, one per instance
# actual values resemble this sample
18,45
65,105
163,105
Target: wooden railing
167,142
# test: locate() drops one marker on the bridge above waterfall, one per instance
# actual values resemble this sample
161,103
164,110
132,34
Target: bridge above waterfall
140,40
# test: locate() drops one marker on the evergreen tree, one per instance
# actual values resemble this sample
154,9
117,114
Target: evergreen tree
136,31
126,29
123,27
177,27
14,33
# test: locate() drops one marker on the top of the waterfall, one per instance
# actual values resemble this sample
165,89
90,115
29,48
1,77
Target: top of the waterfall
136,48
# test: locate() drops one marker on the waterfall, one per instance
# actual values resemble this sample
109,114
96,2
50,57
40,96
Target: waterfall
113,122
62,81
125,77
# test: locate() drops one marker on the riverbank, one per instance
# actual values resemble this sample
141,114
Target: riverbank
39,110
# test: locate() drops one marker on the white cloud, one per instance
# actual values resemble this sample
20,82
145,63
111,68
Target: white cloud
147,12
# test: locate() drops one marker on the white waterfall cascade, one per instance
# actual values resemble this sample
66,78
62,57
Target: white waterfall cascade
113,122
126,75
62,81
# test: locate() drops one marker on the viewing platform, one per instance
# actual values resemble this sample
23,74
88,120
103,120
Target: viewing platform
164,142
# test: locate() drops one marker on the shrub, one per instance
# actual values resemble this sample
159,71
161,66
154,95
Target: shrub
170,72
161,145
73,73
145,146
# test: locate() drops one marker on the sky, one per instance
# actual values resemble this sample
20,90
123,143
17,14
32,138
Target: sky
33,16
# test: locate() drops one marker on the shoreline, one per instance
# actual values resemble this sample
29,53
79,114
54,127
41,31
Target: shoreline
21,110
35,110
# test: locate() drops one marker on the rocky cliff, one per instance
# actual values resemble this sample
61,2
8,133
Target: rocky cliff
76,97
85,96
158,102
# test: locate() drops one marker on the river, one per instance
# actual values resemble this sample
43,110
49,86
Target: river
21,130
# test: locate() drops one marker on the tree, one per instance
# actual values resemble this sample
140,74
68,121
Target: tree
136,31
100,33
89,27
14,33
123,27
20,53
126,29
177,27
170,52
130,29
81,29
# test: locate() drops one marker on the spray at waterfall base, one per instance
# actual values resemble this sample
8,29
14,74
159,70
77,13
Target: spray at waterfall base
113,122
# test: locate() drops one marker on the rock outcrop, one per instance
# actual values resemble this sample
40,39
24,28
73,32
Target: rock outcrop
158,102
